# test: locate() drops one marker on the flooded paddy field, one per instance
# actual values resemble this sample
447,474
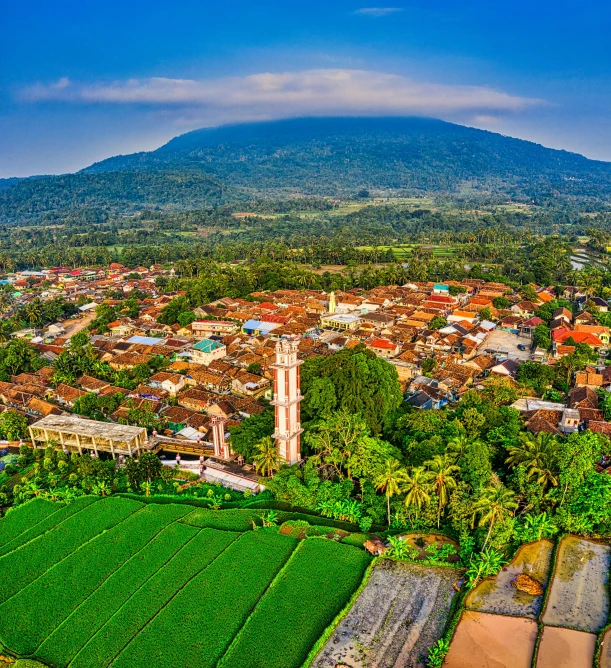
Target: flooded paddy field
485,640
579,595
499,594
566,648
400,613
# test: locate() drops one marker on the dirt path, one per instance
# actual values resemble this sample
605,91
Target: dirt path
397,617
73,327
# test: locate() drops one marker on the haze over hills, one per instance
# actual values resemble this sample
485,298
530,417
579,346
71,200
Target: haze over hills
315,156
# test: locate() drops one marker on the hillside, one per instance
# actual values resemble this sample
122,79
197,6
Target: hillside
317,156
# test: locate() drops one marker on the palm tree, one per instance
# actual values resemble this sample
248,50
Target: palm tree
267,459
536,453
440,472
417,486
389,481
495,504
458,445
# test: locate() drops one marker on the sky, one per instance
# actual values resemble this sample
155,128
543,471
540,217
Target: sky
82,81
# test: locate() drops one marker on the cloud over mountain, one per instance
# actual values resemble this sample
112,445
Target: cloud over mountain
274,95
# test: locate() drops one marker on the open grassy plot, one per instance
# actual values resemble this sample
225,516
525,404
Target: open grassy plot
118,582
218,602
36,611
309,592
50,521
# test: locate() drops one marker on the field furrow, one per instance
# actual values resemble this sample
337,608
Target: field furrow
146,602
37,610
37,556
84,622
47,523
311,590
27,517
219,600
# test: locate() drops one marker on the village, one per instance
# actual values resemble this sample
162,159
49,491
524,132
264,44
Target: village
190,383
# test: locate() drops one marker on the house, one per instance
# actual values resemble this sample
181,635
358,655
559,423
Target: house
600,304
128,360
259,328
121,327
170,382
340,321
206,351
598,330
384,348
527,328
249,384
206,328
570,421
67,395
524,308
195,399
507,368
421,400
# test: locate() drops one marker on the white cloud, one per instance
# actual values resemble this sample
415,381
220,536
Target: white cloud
286,94
378,11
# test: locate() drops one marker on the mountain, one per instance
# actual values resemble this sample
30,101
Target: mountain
317,156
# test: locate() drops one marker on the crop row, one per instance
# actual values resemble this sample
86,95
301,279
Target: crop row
154,594
241,519
226,520
204,617
33,559
21,518
45,524
86,620
312,589
36,611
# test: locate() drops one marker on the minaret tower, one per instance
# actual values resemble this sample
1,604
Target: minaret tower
332,304
287,396
221,447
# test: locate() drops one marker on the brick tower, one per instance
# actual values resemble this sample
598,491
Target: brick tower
287,396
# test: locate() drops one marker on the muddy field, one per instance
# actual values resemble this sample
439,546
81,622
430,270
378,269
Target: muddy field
605,650
565,648
579,594
399,614
498,594
483,640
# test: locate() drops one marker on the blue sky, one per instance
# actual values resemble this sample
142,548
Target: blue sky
81,81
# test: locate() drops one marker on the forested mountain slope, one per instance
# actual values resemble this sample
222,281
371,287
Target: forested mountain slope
317,156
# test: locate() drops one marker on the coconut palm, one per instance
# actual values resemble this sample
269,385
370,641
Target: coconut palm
458,445
440,470
267,458
537,454
417,486
389,481
495,504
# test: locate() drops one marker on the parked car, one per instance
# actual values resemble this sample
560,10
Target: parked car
521,346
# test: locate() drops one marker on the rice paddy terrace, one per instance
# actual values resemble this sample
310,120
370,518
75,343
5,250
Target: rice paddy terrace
118,582
563,625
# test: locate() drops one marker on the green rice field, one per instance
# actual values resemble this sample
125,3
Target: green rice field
119,582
